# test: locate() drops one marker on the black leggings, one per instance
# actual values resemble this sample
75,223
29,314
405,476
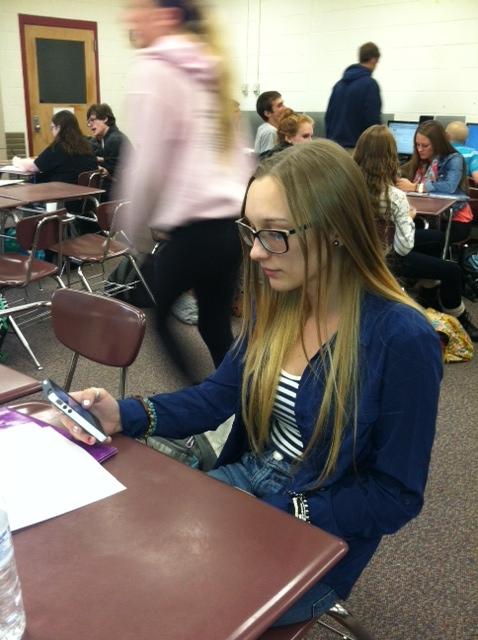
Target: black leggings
418,265
432,241
204,256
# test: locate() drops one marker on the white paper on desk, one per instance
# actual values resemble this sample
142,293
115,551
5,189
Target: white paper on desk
6,183
42,475
11,168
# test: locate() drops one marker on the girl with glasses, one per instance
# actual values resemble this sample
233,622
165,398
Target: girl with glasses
335,377
66,157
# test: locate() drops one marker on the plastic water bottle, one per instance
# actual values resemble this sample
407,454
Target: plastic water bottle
12,613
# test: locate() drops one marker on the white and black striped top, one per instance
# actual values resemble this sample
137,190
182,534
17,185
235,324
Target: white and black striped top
285,436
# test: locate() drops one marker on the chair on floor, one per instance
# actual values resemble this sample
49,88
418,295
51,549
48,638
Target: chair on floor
18,270
104,330
93,248
348,623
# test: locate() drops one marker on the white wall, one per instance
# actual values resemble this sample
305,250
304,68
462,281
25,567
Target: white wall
429,48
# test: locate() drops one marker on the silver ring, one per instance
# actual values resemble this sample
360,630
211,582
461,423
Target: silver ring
97,394
75,428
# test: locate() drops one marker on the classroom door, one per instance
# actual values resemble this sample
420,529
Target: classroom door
60,71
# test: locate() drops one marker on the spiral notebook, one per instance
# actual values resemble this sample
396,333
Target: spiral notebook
100,452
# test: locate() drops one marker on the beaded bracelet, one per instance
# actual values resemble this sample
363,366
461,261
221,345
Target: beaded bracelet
301,506
148,406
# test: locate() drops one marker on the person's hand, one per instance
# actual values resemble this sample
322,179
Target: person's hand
412,212
17,162
103,406
406,185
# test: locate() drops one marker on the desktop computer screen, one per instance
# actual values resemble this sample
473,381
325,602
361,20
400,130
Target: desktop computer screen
472,140
403,132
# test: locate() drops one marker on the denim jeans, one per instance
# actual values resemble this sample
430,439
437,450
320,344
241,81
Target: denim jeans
261,475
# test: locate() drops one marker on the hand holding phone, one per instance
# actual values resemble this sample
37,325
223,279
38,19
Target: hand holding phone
65,403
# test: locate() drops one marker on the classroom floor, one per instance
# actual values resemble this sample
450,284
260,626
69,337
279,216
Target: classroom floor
421,583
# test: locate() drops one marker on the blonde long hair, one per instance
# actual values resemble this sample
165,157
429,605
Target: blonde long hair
324,189
199,20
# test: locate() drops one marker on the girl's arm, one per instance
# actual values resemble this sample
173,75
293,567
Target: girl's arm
449,181
25,164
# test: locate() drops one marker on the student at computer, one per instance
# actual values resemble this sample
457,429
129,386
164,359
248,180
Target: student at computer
458,133
436,167
376,155
66,157
334,381
292,128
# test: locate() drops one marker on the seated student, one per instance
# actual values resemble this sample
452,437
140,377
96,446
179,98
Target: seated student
108,140
457,133
376,155
292,128
436,167
334,380
269,106
66,157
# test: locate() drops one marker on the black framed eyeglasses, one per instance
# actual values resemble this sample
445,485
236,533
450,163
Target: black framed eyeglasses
273,240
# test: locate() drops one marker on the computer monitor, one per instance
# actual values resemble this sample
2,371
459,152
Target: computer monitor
403,131
425,119
445,120
472,140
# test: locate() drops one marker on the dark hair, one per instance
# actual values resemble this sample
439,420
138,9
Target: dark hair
69,135
264,102
189,10
368,51
102,111
441,145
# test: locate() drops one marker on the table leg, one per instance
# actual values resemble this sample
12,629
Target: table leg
447,234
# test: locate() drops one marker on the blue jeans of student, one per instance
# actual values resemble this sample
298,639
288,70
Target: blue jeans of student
262,475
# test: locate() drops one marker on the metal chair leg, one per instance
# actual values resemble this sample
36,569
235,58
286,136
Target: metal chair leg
141,277
24,342
340,614
84,281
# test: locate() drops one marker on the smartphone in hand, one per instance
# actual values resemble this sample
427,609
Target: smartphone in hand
60,399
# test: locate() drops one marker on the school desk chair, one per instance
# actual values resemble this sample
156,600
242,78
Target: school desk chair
92,248
104,330
18,270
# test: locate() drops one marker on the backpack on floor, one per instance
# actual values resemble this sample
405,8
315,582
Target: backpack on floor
470,275
456,343
125,274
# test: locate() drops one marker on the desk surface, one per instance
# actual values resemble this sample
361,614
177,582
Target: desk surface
428,206
48,191
177,556
11,203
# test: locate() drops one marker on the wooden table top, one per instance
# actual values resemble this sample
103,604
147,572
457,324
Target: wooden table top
176,556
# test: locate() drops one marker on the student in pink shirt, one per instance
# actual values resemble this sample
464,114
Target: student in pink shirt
187,174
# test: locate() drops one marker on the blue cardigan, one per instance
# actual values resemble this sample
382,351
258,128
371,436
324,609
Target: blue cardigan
378,483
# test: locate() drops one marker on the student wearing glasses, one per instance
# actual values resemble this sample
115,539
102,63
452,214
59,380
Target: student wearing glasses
66,157
334,380
108,141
